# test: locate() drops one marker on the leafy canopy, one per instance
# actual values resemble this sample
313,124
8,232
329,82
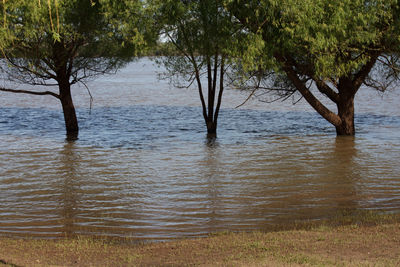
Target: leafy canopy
335,37
41,39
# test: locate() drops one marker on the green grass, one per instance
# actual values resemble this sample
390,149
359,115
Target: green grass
364,238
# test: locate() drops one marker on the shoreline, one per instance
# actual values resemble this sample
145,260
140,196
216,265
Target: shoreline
346,245
368,239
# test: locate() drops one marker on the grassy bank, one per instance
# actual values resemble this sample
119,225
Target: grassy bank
370,240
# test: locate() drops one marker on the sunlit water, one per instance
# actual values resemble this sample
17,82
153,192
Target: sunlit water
143,168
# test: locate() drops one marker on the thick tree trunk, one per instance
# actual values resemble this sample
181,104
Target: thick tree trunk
344,99
71,122
345,107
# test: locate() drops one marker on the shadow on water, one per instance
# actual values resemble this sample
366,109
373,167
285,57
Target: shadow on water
338,172
345,171
70,183
212,176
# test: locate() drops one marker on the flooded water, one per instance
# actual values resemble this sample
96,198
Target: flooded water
143,168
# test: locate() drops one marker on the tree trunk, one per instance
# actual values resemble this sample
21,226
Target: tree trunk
344,99
211,128
71,122
346,114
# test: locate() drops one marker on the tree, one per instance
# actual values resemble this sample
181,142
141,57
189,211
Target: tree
205,37
333,47
62,43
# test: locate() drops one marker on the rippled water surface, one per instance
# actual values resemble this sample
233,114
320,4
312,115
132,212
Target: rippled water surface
143,168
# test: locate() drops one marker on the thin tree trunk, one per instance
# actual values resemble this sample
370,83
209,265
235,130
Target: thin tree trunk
212,118
211,92
221,89
71,121
211,129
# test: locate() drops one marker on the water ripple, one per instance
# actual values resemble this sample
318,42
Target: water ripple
147,171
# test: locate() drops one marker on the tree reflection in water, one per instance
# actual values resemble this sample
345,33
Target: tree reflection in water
69,183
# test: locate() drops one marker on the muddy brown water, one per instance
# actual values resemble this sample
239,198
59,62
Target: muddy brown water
143,168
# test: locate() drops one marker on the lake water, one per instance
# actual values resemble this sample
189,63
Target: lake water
143,168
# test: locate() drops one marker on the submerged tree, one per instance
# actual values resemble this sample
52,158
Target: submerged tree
205,37
331,47
60,43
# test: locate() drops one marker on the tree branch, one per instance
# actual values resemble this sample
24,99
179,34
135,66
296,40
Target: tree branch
326,90
25,69
365,70
221,89
30,92
305,92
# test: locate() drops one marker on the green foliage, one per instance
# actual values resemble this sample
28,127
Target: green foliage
161,49
334,47
336,38
40,38
288,45
201,32
134,21
195,27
